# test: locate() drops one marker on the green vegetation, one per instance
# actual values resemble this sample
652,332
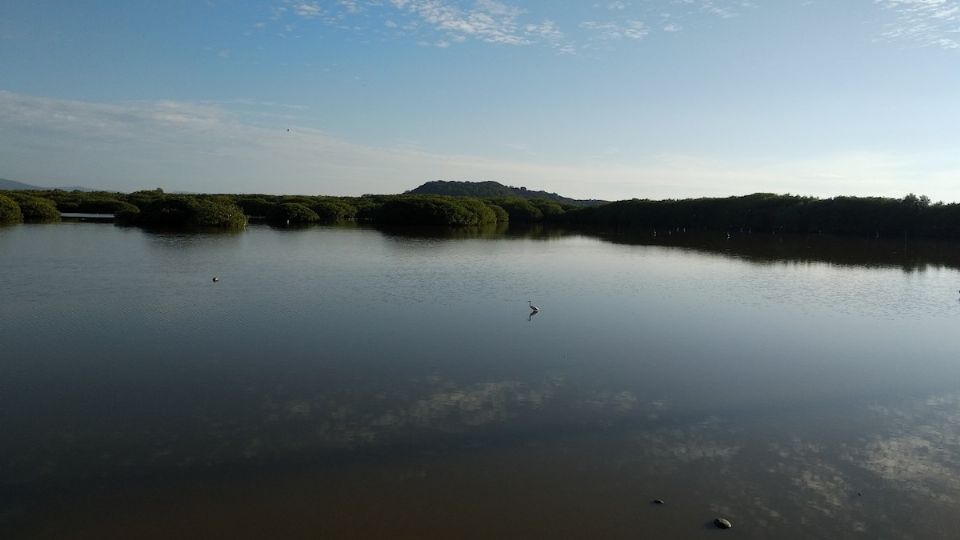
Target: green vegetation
519,210
333,210
97,202
765,212
291,213
488,190
913,215
424,210
257,207
189,211
9,211
154,208
35,209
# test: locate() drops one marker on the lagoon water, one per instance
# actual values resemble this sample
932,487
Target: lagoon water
354,383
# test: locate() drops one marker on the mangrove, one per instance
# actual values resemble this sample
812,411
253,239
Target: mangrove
874,217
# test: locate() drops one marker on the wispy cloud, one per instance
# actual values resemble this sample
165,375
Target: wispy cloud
614,31
353,6
719,8
229,147
487,20
308,10
444,23
928,23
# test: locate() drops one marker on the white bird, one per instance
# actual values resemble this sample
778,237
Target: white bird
533,307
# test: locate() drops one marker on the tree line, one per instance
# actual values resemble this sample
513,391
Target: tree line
761,212
764,212
154,208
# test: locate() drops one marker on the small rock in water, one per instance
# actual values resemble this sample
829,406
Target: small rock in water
658,501
722,523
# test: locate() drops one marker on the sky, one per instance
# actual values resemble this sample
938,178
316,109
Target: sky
611,99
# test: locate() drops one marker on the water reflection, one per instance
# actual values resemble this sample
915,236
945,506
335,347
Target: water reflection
869,482
494,231
319,384
488,231
279,424
766,479
908,254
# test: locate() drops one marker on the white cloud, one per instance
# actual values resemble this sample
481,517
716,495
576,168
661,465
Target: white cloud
613,31
350,5
488,20
209,147
719,8
928,23
442,23
307,10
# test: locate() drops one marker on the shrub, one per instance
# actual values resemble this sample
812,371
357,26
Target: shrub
180,211
499,212
332,211
484,214
255,206
35,209
127,215
141,199
292,214
299,199
218,214
368,207
547,208
519,210
9,211
420,210
100,206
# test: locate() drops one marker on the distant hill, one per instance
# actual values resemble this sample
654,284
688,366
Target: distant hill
11,184
14,185
493,189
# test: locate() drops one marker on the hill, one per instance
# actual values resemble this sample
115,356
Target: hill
493,189
13,185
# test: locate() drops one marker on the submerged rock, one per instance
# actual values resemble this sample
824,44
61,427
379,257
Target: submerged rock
722,523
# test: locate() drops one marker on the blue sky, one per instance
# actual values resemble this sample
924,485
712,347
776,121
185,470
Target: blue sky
608,99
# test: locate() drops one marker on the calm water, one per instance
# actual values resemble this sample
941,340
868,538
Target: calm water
354,383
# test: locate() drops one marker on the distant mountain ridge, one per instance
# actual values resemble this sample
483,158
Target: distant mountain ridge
493,189
12,185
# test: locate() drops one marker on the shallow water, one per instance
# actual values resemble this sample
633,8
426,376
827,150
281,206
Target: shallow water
347,382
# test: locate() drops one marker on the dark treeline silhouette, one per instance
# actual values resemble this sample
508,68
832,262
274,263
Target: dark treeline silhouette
764,212
911,216
154,208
